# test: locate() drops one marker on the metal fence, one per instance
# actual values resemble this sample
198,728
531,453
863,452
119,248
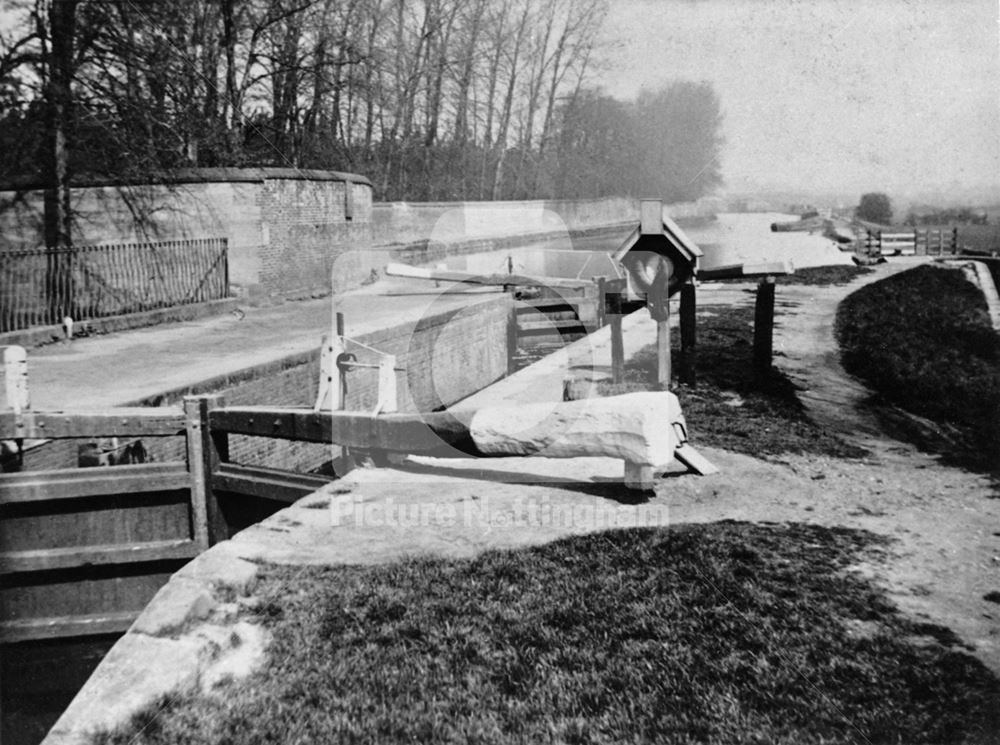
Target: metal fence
41,286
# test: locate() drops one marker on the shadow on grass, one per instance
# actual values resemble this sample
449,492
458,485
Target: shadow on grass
723,633
730,407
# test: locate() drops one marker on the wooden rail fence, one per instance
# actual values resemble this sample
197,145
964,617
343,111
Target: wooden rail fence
41,286
919,242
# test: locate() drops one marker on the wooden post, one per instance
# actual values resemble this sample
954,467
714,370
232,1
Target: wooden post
388,400
341,376
205,450
689,361
617,349
602,291
663,371
15,365
763,327
512,339
954,239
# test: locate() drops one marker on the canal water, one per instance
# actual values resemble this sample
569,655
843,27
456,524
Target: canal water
736,238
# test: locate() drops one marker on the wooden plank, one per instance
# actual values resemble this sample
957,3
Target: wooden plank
549,304
266,483
501,280
739,271
72,557
113,422
694,460
651,216
78,483
551,326
27,629
406,433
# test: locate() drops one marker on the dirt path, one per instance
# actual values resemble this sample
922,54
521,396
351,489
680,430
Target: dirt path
945,521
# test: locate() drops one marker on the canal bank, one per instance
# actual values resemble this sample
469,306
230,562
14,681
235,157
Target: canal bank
450,342
883,494
190,627
272,336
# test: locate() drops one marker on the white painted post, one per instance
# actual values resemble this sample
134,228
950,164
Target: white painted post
15,362
331,386
388,402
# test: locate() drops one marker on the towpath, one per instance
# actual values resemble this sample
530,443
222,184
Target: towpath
124,367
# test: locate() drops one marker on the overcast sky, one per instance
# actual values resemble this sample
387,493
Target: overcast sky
848,95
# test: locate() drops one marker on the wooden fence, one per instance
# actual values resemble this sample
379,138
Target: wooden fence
919,242
40,287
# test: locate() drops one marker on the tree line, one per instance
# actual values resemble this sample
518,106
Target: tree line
431,99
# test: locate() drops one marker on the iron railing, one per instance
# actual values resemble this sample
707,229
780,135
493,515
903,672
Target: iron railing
39,287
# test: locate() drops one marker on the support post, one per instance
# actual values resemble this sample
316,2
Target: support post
602,292
512,339
617,349
15,365
689,359
763,327
341,397
663,367
205,450
388,402
954,239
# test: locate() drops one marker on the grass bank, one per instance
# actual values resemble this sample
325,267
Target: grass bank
730,407
923,341
724,633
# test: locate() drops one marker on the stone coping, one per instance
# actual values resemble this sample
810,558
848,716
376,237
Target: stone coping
194,176
39,335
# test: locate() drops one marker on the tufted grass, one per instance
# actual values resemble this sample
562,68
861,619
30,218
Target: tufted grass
722,633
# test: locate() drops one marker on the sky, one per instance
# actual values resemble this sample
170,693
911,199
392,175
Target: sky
900,96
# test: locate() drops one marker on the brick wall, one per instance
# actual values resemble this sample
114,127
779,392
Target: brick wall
310,225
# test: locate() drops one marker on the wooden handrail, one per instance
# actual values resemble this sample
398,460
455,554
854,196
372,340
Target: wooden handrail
112,422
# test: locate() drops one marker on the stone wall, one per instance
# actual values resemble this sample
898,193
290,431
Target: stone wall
285,228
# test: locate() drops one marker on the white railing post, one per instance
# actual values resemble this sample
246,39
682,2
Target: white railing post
15,363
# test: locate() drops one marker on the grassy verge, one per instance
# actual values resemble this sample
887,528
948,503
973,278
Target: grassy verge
923,340
724,633
730,407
